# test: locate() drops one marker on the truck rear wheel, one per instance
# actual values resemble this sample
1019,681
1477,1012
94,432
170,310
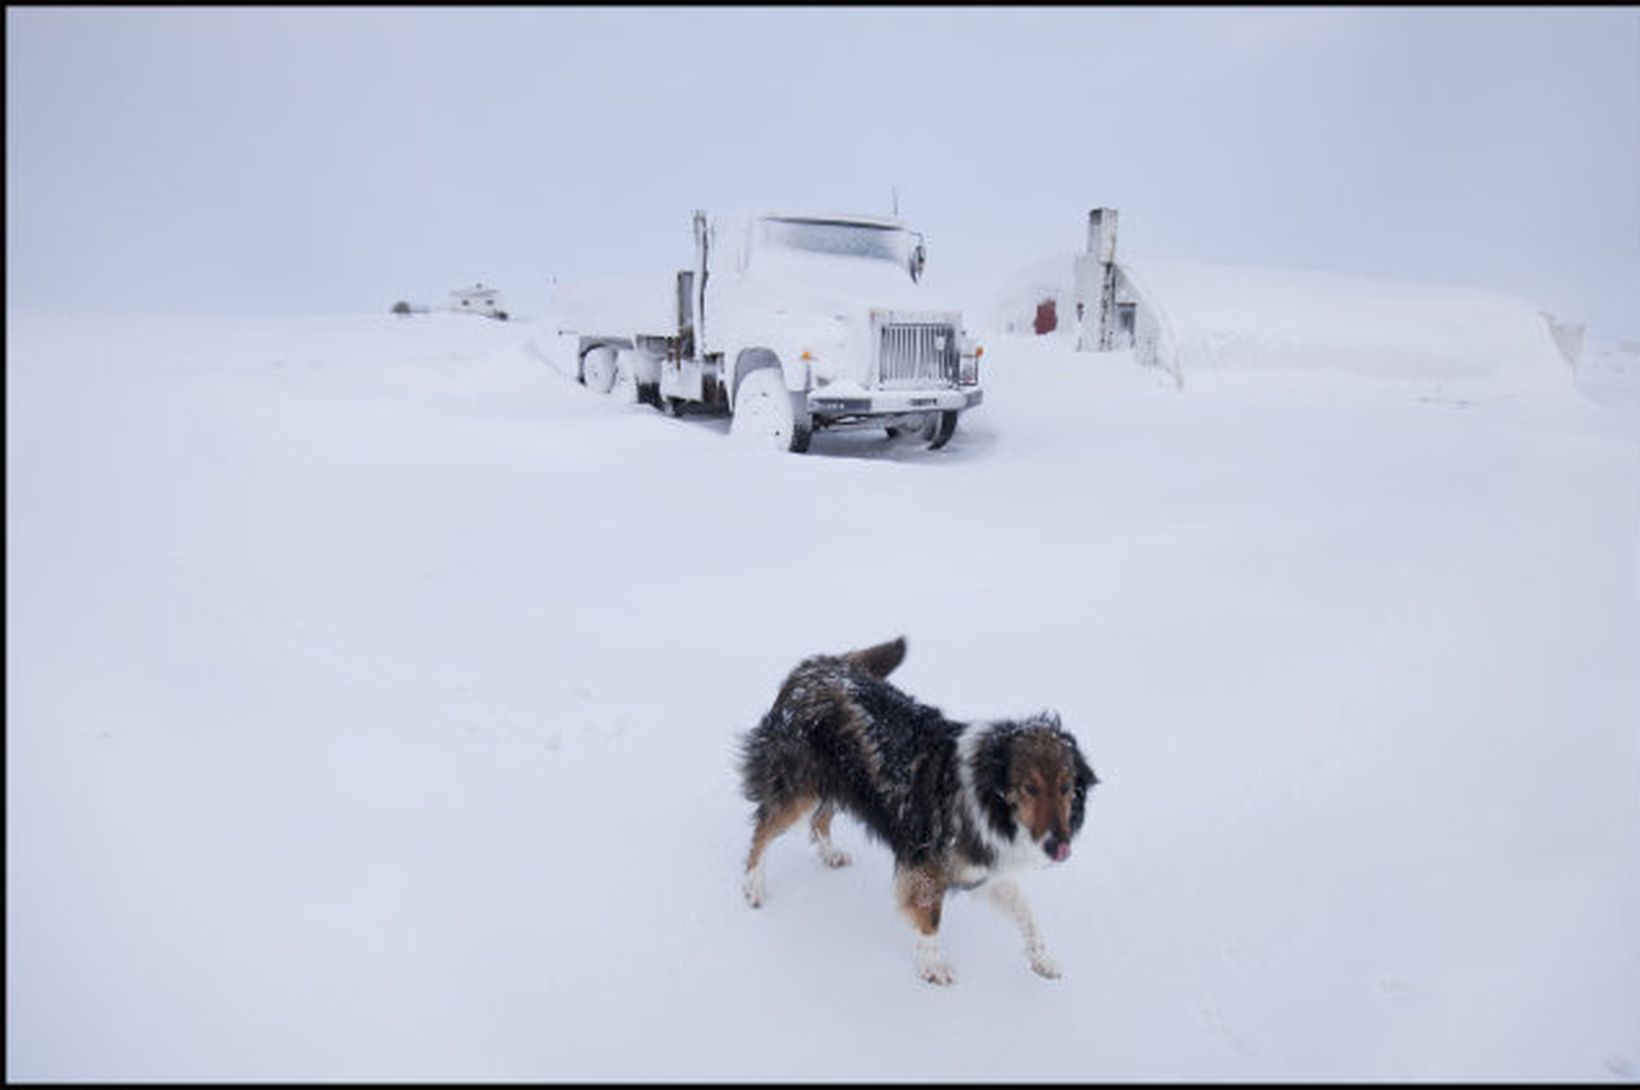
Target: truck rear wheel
765,413
598,369
625,384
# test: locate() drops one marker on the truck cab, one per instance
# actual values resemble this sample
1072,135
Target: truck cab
799,322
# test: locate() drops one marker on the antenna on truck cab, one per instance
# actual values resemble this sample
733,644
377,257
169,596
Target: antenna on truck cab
895,193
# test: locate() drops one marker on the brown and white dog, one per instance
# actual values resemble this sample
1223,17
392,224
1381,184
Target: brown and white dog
962,806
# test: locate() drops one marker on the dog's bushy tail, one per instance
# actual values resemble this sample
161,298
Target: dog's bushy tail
881,660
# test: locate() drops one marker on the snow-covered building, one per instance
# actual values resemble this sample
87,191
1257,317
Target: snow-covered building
478,300
1190,317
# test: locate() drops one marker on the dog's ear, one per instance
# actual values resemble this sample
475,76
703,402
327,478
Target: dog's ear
1085,781
881,660
990,765
1085,777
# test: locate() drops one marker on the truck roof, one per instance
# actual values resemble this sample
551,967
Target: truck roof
831,217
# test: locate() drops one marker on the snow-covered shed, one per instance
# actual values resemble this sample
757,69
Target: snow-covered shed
1195,318
478,300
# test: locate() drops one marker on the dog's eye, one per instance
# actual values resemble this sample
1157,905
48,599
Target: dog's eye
1064,789
1031,790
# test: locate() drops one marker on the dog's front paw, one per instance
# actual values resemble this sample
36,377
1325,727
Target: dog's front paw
1044,965
930,966
752,887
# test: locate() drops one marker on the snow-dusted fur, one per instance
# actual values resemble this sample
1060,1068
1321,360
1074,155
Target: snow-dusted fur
962,806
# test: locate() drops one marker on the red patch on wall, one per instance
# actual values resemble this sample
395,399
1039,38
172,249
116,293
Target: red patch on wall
1047,317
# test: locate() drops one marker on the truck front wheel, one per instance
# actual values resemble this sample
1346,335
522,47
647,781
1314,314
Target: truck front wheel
765,413
941,426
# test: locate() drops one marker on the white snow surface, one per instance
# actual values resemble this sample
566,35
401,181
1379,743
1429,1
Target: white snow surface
616,304
373,693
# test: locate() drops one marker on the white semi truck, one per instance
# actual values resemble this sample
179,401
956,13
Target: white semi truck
790,323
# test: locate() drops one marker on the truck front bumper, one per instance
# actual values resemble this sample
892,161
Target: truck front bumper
892,402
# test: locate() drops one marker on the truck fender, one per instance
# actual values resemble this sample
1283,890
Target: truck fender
794,373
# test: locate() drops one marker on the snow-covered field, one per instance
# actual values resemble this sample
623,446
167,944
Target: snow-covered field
372,693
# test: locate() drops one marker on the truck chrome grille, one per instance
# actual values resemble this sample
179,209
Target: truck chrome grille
918,354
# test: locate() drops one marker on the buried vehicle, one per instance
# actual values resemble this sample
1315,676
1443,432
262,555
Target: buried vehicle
792,324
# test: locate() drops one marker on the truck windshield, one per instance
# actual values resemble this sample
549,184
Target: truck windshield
866,240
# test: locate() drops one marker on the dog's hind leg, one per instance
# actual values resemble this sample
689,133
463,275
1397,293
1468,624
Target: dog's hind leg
1007,897
820,833
771,823
921,894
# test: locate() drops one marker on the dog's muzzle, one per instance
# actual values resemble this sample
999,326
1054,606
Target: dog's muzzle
1058,849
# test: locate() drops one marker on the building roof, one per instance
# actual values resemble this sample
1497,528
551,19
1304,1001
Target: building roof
1233,318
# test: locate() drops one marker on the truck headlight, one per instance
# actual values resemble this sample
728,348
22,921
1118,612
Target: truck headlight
968,363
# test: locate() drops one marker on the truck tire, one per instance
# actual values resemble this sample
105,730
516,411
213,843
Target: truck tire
764,413
598,369
625,385
642,368
941,427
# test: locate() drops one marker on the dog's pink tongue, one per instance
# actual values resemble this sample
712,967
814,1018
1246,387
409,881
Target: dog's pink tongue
1063,852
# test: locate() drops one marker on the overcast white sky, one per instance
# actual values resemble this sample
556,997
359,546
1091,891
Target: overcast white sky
306,161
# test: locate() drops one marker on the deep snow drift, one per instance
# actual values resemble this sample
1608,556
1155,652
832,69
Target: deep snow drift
372,693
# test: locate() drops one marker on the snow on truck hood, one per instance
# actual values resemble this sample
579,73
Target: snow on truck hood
842,287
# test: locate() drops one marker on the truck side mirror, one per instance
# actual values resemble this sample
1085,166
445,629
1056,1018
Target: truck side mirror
919,258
